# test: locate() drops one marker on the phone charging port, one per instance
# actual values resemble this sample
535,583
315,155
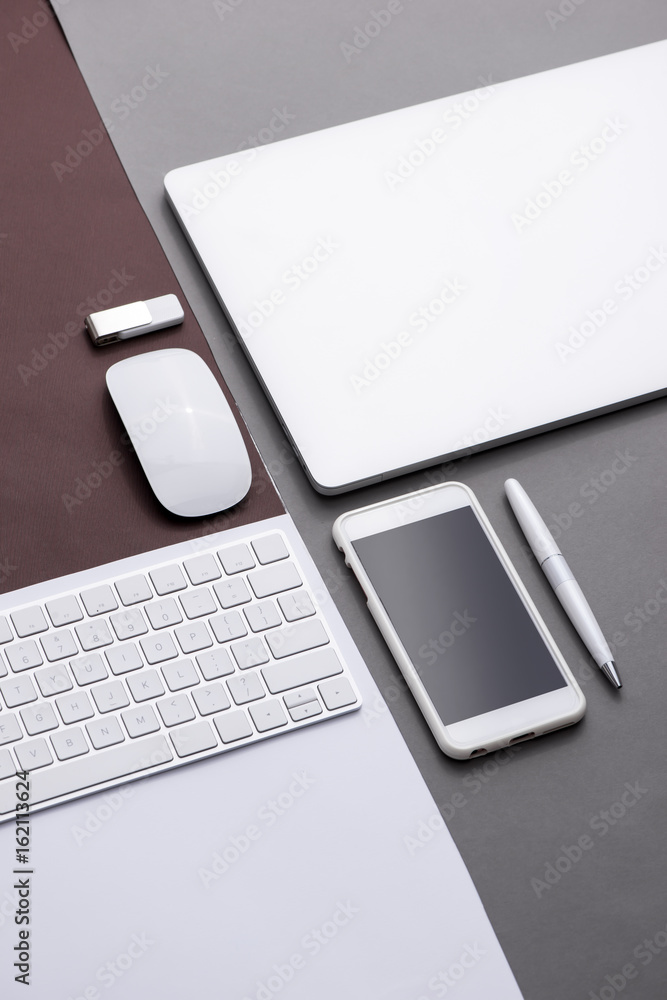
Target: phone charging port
519,739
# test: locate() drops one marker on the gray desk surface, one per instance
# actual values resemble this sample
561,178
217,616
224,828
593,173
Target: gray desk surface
596,925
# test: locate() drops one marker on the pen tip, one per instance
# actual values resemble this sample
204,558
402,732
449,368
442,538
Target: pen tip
611,673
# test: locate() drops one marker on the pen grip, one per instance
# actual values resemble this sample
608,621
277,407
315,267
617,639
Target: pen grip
557,570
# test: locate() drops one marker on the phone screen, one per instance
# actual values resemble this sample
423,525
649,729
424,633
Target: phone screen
458,615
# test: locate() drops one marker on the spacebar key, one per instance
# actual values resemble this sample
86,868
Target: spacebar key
86,772
304,670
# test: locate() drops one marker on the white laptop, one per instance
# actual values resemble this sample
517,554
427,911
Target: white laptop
452,275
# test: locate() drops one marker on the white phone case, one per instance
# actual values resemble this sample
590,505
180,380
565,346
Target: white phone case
484,733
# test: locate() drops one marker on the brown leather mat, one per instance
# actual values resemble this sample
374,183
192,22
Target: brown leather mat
74,239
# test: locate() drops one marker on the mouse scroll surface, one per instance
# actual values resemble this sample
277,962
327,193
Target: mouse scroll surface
183,431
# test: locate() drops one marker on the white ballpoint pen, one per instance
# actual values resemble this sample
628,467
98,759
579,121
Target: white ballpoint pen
559,575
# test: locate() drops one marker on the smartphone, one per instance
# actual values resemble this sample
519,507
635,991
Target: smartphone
468,639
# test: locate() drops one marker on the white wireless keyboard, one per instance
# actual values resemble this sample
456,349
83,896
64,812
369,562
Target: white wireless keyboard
217,645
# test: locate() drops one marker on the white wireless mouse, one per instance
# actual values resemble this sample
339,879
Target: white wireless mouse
183,431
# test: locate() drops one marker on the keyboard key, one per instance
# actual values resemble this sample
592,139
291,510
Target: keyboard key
268,715
297,698
307,711
58,645
105,732
99,600
140,721
127,624
295,606
88,669
232,726
39,718
198,602
270,548
93,769
145,685
6,634
337,693
176,710
64,611
167,579
69,743
28,621
92,635
33,754
232,592
274,579
163,613
133,589
215,664
3,668
193,739
124,658
110,697
159,648
192,638
8,770
9,729
229,626
53,680
305,670
261,616
179,675
74,707
211,698
250,653
24,655
297,638
202,569
17,691
245,688
236,558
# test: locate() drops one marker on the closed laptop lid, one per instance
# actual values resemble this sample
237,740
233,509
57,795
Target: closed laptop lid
450,275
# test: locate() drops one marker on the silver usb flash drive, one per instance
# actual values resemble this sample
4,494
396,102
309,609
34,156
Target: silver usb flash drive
133,320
